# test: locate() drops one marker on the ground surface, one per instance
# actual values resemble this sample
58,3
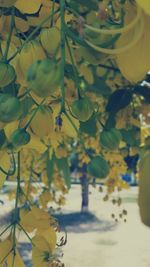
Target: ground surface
95,240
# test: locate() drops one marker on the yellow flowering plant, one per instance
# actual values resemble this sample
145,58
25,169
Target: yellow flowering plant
71,77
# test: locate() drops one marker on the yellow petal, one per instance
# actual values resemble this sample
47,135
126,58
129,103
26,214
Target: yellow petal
145,4
5,248
2,179
44,12
50,236
39,213
35,219
36,144
10,128
28,6
21,24
31,52
12,48
45,198
18,262
87,73
134,63
5,161
54,138
42,123
68,126
39,249
19,73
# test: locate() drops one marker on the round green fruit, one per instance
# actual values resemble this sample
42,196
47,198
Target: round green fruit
110,139
44,77
82,109
20,137
7,74
50,39
10,108
98,167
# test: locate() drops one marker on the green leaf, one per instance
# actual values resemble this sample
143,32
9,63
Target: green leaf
64,169
100,87
119,100
75,4
98,167
50,170
69,71
143,91
89,127
131,136
12,89
111,122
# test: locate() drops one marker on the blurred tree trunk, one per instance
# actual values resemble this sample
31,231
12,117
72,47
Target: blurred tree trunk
85,193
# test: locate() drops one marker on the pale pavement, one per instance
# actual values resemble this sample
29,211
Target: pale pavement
112,244
127,245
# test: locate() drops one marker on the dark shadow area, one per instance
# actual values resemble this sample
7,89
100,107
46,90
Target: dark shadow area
6,219
25,252
75,222
78,222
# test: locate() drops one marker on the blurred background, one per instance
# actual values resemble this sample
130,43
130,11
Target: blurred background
109,234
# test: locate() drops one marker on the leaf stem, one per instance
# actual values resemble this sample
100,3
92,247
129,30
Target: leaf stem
25,93
12,24
5,229
18,180
2,261
52,18
74,68
16,212
62,31
25,232
109,67
33,115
